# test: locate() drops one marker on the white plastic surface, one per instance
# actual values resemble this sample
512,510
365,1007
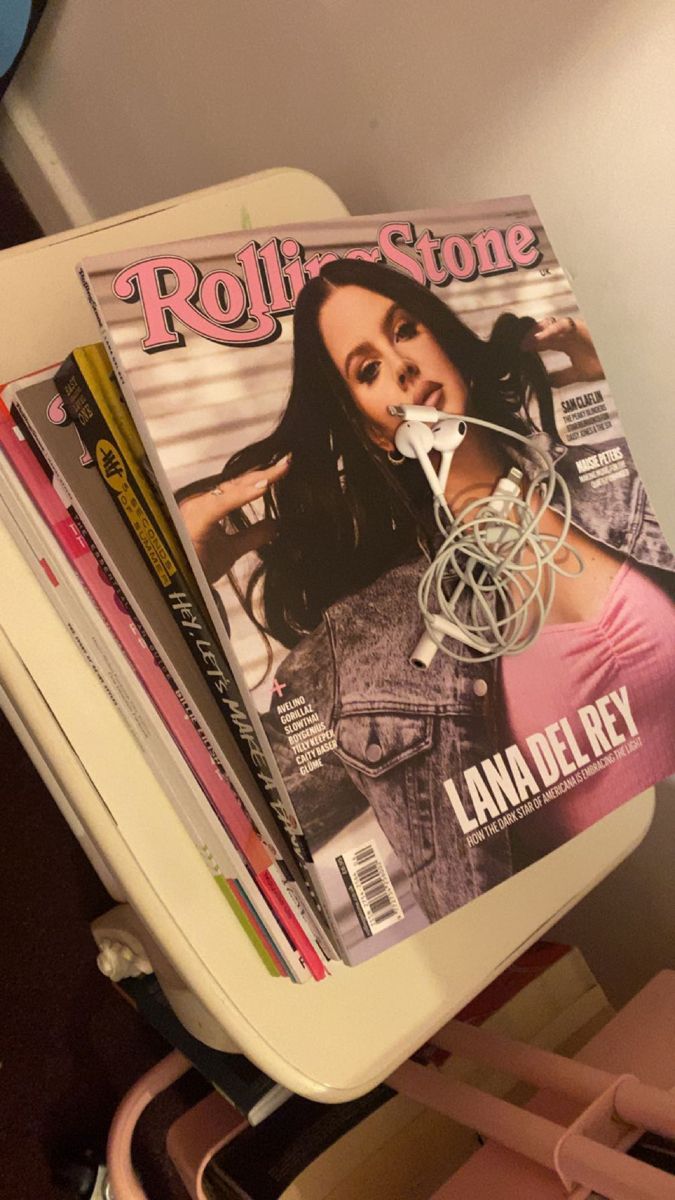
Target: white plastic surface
119,961
333,1040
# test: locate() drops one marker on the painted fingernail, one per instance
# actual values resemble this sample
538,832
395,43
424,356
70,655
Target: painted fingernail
261,485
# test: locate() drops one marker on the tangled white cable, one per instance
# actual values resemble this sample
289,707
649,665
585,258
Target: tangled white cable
491,584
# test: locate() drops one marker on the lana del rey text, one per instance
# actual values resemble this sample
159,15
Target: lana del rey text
243,309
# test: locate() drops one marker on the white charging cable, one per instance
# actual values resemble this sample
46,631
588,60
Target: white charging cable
491,585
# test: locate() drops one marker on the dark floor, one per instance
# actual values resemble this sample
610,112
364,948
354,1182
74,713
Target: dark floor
70,1045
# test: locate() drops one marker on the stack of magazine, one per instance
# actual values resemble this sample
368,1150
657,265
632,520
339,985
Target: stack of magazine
344,521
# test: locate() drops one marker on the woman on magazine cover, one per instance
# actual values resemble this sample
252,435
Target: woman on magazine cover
348,533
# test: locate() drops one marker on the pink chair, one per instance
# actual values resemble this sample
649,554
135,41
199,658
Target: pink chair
568,1141
191,1140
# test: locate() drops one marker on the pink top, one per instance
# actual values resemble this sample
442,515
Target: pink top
631,645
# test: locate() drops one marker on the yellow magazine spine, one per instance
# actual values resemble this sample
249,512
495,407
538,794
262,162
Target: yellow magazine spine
122,475
99,377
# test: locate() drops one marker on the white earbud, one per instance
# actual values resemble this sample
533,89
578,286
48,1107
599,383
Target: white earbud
414,440
448,435
426,649
423,430
411,437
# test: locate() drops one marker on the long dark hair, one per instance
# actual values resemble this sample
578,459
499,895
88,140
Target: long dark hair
344,514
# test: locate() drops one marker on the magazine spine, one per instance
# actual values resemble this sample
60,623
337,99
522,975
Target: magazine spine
119,476
50,566
280,802
248,1089
181,595
237,826
227,801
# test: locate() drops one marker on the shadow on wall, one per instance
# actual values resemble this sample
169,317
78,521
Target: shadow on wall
626,927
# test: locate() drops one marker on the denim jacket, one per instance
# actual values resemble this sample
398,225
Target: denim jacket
402,732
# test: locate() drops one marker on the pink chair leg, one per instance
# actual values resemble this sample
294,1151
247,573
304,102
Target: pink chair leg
608,1173
635,1103
196,1136
123,1180
527,1133
582,1164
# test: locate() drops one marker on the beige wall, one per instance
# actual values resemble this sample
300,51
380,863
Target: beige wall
626,926
401,105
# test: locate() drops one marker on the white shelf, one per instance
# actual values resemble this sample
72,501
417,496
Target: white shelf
330,1041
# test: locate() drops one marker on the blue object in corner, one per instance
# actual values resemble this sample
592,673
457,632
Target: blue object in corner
14,18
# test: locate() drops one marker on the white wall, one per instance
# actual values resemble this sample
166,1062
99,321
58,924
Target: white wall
626,926
396,105
405,105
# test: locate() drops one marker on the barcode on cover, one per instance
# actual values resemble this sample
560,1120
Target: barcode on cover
370,888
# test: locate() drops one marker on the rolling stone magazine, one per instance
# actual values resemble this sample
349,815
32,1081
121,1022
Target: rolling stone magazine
398,474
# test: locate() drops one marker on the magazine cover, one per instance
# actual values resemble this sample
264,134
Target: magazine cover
392,452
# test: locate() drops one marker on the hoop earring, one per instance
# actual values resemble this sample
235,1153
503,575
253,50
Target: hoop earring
395,459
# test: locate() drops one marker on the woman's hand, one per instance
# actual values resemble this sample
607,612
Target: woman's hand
573,339
217,550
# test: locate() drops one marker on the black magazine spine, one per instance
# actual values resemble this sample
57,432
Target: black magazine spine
232,1074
